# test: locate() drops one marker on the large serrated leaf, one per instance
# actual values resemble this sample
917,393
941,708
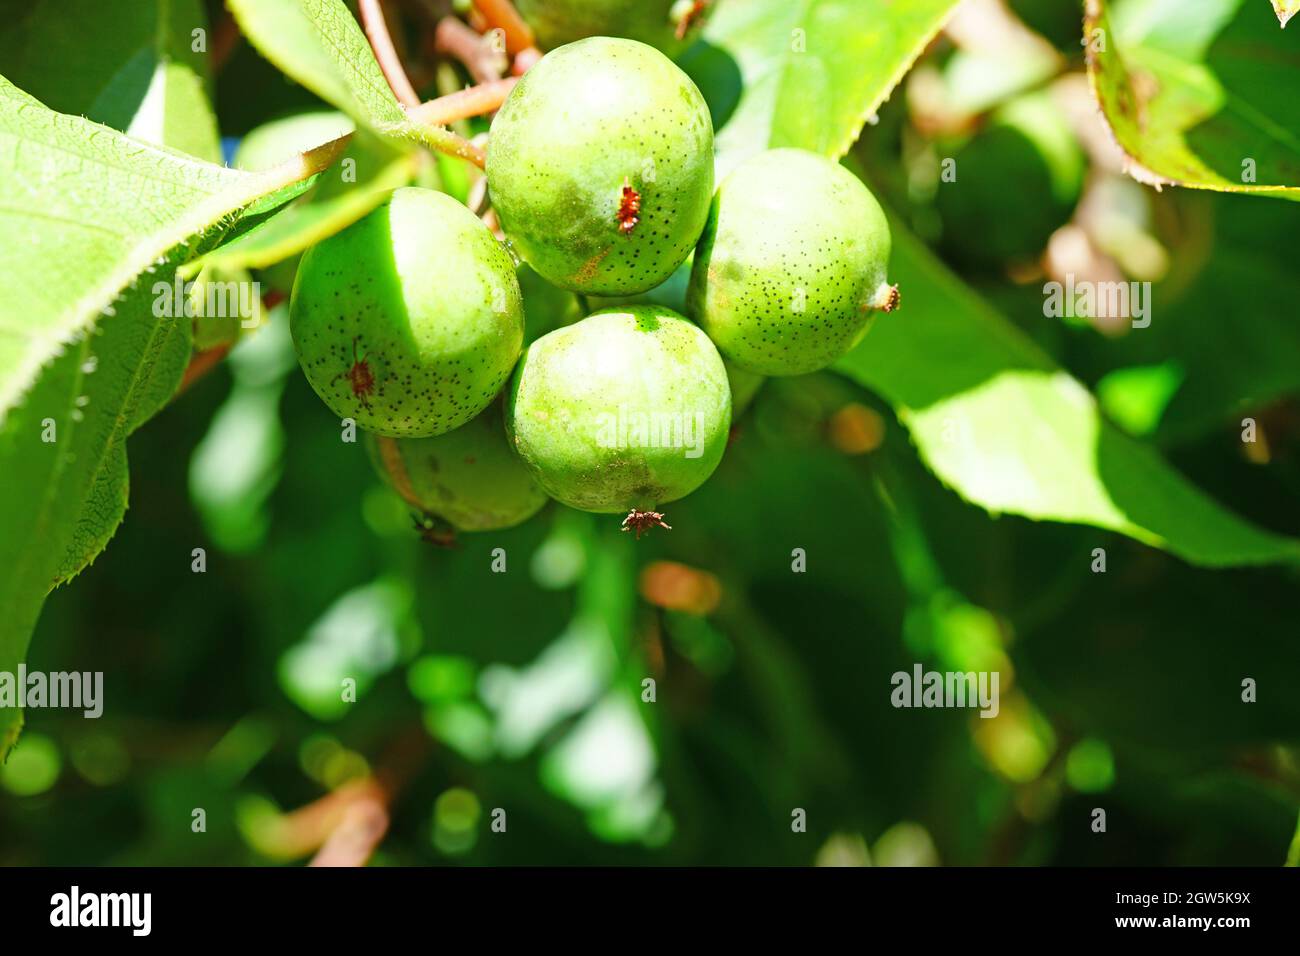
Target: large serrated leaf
805,73
129,64
319,44
63,456
368,171
84,210
1010,431
1199,94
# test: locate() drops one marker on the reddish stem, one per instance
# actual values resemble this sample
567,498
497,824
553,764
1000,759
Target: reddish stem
454,39
376,27
201,364
502,15
225,39
525,60
473,101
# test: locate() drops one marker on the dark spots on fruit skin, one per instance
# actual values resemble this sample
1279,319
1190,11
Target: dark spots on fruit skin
787,299
468,477
559,421
560,222
402,360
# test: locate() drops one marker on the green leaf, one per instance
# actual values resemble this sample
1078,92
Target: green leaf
319,44
301,226
1198,94
63,455
805,73
998,422
95,209
336,200
105,220
129,64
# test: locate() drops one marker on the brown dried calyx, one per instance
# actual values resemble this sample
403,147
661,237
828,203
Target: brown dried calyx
434,530
642,521
629,208
886,298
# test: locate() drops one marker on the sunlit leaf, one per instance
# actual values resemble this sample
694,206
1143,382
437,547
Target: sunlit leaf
129,64
320,44
1010,431
63,457
805,73
94,209
369,169
1285,10
85,357
1198,94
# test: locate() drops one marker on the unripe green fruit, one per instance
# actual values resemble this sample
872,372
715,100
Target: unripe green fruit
627,409
468,477
671,294
668,25
219,317
600,166
791,264
410,320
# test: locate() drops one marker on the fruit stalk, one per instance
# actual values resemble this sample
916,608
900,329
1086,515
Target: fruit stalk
454,39
502,15
472,101
376,27
381,43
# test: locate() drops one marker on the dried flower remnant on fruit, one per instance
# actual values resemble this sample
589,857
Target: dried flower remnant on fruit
629,208
886,299
642,521
360,377
434,530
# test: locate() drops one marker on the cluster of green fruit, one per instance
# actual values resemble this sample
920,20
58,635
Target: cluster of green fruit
600,170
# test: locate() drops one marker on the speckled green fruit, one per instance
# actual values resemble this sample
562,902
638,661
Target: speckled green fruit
671,294
629,408
668,25
600,166
469,477
410,320
791,264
